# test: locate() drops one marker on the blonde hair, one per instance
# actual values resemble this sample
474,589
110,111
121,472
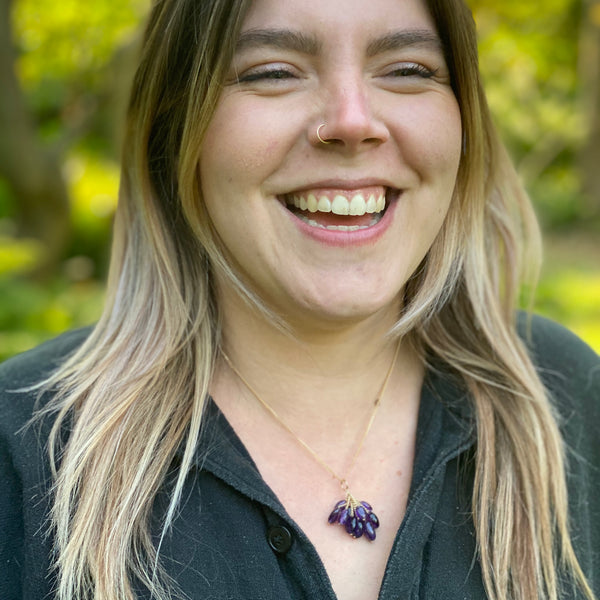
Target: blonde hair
157,338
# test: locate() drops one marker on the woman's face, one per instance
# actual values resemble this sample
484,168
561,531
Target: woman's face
373,72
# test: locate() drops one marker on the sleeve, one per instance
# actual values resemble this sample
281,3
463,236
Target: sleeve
570,371
25,479
11,526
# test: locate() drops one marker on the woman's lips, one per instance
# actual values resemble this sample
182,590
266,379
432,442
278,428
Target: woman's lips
341,209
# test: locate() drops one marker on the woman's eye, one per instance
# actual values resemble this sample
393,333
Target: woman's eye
265,75
412,70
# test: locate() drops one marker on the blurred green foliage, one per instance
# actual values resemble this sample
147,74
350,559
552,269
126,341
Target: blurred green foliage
64,53
31,313
67,58
66,66
569,290
530,60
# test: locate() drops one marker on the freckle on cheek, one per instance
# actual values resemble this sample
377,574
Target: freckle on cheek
258,158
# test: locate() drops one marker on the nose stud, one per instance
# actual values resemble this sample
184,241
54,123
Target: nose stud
319,134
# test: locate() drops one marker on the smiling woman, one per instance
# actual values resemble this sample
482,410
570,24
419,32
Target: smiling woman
312,296
379,92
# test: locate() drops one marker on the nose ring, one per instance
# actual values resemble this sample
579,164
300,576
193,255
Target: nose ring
319,134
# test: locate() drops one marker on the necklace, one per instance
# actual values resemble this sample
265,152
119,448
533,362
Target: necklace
357,517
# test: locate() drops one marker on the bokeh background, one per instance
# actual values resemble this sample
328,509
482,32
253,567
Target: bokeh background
64,73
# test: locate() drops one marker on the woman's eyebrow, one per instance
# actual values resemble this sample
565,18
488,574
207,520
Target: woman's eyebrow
284,39
289,39
402,39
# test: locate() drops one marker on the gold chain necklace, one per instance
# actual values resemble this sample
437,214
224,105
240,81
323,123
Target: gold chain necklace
356,517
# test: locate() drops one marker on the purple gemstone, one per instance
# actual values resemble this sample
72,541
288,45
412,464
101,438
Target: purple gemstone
370,531
359,529
372,518
367,505
340,504
361,513
351,525
334,516
343,517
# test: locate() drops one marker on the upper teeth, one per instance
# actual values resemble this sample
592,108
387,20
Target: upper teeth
340,205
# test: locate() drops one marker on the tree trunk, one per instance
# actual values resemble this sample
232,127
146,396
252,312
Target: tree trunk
31,170
589,73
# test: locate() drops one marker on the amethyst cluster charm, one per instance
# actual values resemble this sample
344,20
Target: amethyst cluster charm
356,517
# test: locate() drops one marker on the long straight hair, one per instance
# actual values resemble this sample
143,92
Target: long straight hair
157,339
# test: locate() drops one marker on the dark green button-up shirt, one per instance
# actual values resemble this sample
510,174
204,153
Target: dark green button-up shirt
232,538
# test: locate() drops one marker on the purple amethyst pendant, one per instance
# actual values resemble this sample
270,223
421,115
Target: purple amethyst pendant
356,517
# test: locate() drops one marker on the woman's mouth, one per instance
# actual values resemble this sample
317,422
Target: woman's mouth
341,210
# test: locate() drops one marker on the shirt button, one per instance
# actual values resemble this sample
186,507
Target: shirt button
280,539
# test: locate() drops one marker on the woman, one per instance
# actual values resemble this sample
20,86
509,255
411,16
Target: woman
311,313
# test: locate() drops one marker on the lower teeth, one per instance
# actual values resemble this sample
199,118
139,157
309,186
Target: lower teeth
313,223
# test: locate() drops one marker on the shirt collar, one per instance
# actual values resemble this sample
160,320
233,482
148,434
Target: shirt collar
445,428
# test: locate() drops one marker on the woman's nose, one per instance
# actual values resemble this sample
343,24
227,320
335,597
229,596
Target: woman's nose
349,120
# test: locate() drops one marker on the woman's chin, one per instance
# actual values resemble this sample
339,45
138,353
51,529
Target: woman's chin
342,311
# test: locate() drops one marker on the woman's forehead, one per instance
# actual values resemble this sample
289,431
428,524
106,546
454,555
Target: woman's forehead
339,17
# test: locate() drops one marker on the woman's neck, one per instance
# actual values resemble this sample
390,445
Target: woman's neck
314,378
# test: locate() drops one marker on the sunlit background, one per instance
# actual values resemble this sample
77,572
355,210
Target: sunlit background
65,68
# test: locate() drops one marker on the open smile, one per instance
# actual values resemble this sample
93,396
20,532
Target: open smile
339,209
